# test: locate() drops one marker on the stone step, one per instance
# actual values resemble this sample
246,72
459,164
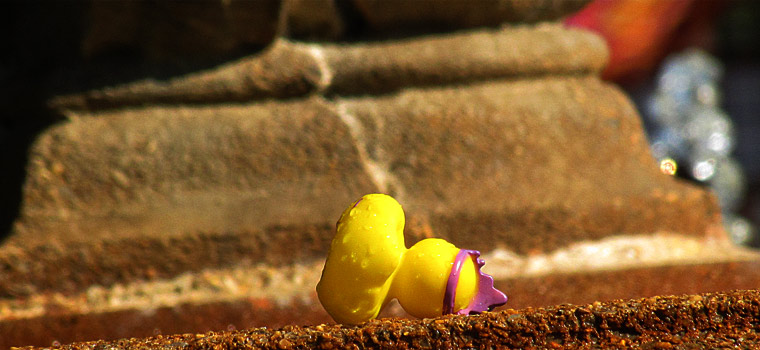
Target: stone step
712,320
290,69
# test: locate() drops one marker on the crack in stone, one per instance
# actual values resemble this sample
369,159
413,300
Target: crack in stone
378,170
381,176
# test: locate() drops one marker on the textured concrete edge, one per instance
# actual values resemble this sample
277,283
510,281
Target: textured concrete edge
288,69
135,258
284,283
129,156
265,296
712,319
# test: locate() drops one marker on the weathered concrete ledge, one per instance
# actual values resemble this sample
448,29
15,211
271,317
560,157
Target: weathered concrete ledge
290,69
275,295
725,320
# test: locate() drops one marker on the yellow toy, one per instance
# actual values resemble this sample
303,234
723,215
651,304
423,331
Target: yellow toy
368,265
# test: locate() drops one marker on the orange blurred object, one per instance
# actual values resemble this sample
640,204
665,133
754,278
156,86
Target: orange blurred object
638,32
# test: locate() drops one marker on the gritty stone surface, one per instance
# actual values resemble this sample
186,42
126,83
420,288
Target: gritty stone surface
276,296
167,169
127,192
471,158
70,267
283,70
156,192
594,286
289,69
486,54
726,319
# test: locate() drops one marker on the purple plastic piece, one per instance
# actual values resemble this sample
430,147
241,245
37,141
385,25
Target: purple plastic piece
486,298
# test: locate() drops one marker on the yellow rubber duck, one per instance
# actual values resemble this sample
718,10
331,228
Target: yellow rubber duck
368,265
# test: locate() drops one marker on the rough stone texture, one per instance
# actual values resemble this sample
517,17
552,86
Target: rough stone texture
288,69
472,156
718,320
283,70
66,266
68,324
69,327
637,282
508,52
158,169
128,193
463,161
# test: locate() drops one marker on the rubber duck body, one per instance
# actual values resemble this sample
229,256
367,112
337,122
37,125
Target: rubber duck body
368,265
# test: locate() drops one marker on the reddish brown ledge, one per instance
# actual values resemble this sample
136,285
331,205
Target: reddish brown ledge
730,319
214,314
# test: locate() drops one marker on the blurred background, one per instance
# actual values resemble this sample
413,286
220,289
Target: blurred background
693,69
